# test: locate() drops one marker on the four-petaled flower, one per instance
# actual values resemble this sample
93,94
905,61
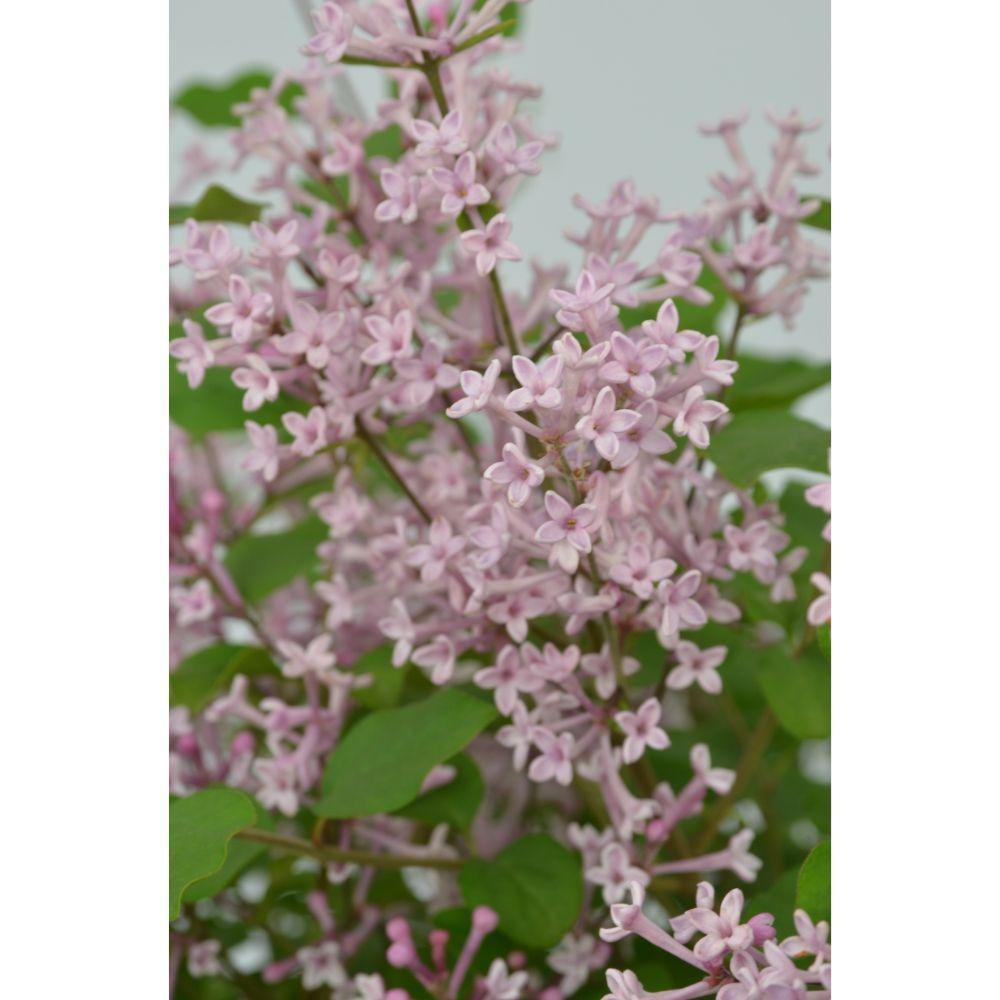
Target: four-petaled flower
539,383
459,186
642,729
517,473
568,530
491,244
604,424
696,665
441,546
695,414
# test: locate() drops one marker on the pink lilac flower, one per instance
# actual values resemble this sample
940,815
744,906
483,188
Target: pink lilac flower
539,383
820,612
624,986
642,729
244,312
308,431
719,779
333,32
322,966
274,247
723,932
568,530
555,760
203,958
517,473
316,658
634,363
587,297
458,186
194,603
194,353
663,330
643,436
491,244
515,159
680,609
811,939
433,140
438,656
313,334
518,735
639,571
614,873
402,195
758,252
697,666
265,453
278,785
390,340
507,678
719,370
259,382
696,413
217,258
604,424
397,626
432,558
501,984
477,388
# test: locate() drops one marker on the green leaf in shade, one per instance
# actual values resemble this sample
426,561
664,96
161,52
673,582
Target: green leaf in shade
211,104
771,382
201,827
798,691
387,680
455,803
823,640
820,219
218,204
756,441
387,143
261,564
202,676
535,885
381,763
241,854
813,892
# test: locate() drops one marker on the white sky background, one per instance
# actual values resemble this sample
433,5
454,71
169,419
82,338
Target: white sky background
625,87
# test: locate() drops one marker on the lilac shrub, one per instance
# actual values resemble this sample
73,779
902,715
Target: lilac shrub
497,670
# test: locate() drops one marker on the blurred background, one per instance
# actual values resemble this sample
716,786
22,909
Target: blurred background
625,88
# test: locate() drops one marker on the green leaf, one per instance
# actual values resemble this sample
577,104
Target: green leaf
241,854
211,103
757,441
535,885
201,827
813,891
218,204
261,564
823,640
387,143
798,691
198,679
455,803
770,382
820,219
381,763
387,680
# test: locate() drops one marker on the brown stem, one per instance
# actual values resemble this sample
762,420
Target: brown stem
377,450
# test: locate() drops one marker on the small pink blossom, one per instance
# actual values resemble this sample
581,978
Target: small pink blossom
402,194
390,340
194,353
634,363
259,382
663,330
316,658
539,383
820,612
203,958
604,424
333,32
504,149
491,244
698,666
275,247
458,186
309,431
244,312
516,472
614,873
568,529
639,571
194,604
477,388
506,678
265,452
642,729
433,140
696,413
437,656
556,758
680,609
441,547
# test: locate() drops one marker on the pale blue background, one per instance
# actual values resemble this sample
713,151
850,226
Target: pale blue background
625,86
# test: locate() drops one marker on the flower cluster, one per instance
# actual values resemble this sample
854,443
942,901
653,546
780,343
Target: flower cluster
504,491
